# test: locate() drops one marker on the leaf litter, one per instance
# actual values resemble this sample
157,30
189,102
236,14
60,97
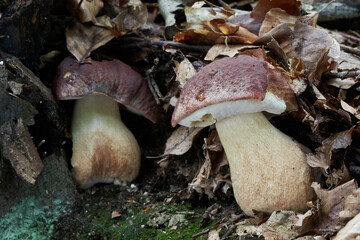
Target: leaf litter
324,78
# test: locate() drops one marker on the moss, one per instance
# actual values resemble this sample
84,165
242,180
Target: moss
173,221
30,219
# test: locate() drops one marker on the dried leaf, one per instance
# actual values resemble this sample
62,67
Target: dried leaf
18,147
214,235
348,62
332,204
225,50
196,16
351,231
323,155
279,226
184,71
82,39
274,17
87,10
351,206
136,16
181,140
348,108
210,36
310,44
341,83
167,9
115,214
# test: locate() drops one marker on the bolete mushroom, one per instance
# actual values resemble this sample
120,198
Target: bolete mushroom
104,149
268,169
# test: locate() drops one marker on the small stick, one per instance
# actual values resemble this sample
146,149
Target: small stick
344,74
149,42
350,49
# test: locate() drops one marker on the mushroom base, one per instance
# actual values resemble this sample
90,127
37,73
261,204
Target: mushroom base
268,169
104,150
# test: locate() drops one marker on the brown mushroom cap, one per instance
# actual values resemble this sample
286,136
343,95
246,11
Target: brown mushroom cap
206,96
112,78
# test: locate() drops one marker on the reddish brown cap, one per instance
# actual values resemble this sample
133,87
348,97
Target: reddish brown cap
232,86
112,78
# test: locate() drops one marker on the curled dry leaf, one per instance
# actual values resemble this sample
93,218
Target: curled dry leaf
115,214
216,31
82,39
181,140
86,10
274,17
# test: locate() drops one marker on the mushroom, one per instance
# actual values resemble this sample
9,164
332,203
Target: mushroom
104,149
268,169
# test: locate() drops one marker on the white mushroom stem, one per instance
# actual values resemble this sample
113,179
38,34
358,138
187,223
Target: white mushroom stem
268,169
104,150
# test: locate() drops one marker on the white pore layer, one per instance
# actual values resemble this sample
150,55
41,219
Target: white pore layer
210,114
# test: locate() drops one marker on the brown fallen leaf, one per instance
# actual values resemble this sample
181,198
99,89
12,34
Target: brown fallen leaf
184,71
82,39
181,140
226,50
86,10
351,206
323,156
331,204
115,214
18,147
274,17
310,44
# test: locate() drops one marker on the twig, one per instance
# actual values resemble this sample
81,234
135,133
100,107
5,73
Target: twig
344,74
350,49
201,233
206,230
136,42
356,38
228,232
355,33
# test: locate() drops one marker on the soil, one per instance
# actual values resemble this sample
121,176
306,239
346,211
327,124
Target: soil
145,209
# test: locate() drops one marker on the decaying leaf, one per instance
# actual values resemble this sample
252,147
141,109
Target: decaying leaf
322,158
86,10
82,39
281,225
310,44
195,16
274,17
351,206
184,71
181,140
332,203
